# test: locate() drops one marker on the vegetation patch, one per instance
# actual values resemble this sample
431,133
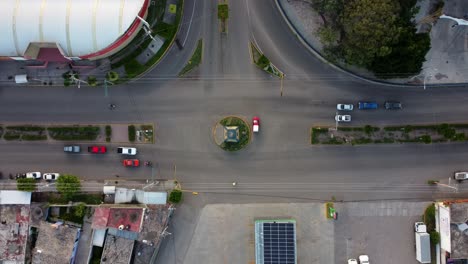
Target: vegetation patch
26,132
244,133
74,133
131,133
108,133
378,35
26,184
425,134
195,60
263,62
126,57
175,196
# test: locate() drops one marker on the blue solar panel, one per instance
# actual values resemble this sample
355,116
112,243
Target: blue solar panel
279,243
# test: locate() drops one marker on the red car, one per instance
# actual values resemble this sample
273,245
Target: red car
97,149
131,163
256,124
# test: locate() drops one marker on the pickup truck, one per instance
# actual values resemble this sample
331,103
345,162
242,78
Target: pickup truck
127,151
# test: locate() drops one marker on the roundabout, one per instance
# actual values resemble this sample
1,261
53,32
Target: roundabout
232,133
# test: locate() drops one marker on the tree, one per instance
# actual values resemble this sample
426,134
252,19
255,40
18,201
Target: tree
26,184
435,237
175,196
68,185
370,29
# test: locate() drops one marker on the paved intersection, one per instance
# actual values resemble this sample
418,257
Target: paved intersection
279,161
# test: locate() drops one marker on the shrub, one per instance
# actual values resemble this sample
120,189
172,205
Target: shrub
112,76
263,61
223,11
34,137
131,133
175,196
435,237
26,184
429,217
26,128
74,133
426,139
432,182
80,210
11,136
108,133
92,80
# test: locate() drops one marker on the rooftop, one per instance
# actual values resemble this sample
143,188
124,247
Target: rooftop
128,218
15,197
231,134
54,244
155,220
117,250
13,232
459,230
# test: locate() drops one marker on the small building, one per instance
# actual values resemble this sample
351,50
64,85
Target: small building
231,134
15,212
55,244
117,250
453,229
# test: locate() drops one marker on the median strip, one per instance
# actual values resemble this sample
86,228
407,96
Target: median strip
195,60
426,134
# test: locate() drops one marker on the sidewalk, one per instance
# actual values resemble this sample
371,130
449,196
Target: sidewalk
445,61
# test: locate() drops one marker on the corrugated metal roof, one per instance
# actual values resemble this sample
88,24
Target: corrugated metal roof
15,197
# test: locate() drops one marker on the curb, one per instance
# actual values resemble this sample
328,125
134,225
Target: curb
338,68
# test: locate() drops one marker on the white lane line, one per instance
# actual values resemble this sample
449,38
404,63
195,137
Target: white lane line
190,24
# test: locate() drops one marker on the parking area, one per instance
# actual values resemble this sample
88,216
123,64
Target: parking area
382,230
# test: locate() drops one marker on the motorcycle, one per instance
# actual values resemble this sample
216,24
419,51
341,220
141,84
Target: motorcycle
148,163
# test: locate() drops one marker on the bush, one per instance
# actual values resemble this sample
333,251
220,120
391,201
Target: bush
131,133
263,62
74,133
68,185
108,133
34,137
11,136
426,139
26,184
80,210
429,217
112,76
92,80
175,196
223,11
446,131
26,128
435,237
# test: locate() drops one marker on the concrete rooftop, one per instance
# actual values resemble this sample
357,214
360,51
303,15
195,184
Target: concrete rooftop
14,228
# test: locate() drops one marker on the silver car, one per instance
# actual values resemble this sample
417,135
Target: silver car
344,107
460,175
343,118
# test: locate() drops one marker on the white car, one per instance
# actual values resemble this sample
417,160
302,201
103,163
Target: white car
343,118
363,259
127,151
51,176
352,261
33,175
460,175
344,107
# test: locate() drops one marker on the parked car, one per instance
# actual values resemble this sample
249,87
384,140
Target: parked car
460,175
20,175
352,261
343,118
256,124
344,107
363,259
50,176
33,175
393,105
367,105
97,149
72,149
131,163
127,151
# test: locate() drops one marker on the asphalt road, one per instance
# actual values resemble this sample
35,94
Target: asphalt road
185,110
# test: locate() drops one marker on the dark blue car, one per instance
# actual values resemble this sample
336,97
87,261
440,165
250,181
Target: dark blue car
367,105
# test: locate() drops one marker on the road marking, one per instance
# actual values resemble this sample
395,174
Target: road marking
190,24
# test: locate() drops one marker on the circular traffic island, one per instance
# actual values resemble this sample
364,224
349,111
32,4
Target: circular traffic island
232,133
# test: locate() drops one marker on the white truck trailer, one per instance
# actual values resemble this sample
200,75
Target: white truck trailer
423,243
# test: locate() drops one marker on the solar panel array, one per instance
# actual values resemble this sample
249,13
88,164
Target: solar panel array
279,243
